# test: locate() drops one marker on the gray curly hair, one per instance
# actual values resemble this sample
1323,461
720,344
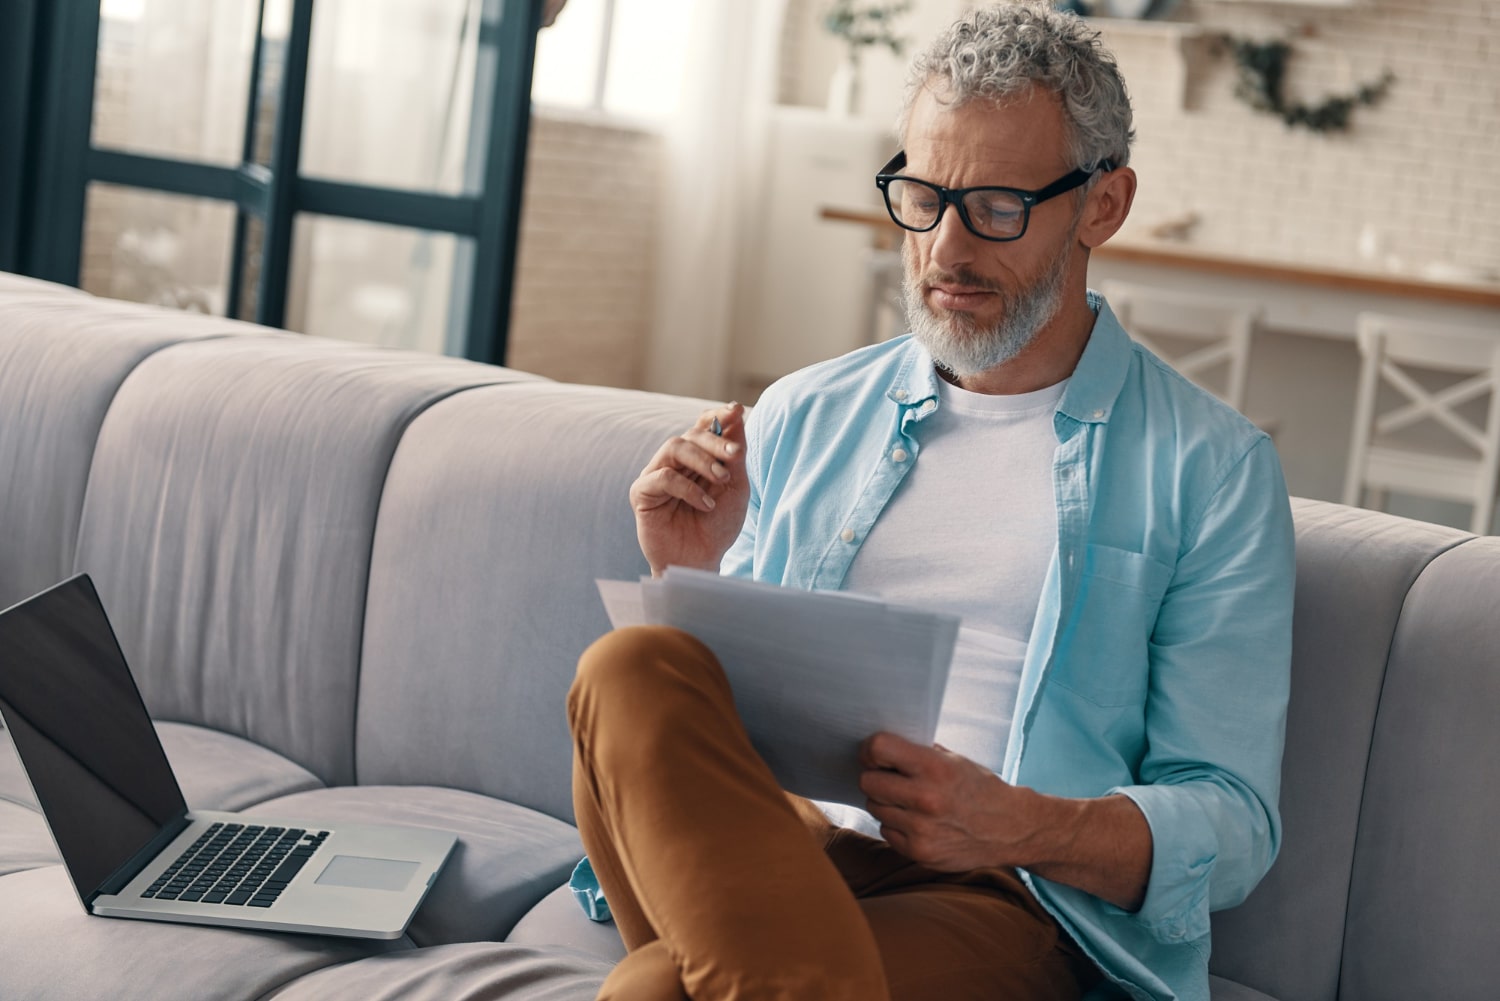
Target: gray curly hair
998,52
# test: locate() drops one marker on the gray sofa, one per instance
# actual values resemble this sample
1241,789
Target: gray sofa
355,583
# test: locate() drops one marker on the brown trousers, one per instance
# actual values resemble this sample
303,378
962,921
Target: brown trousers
725,888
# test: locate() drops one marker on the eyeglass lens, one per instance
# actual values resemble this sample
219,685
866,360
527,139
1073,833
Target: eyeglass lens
994,212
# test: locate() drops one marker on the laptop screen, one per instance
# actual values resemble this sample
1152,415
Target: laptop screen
82,732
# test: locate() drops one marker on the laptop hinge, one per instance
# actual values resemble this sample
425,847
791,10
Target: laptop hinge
122,876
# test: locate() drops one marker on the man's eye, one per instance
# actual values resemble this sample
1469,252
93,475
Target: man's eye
1000,210
997,213
922,201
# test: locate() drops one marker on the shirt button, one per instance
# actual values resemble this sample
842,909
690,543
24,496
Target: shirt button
928,407
847,535
900,394
898,455
1098,414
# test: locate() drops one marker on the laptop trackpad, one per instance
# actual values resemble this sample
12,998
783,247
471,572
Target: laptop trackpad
367,873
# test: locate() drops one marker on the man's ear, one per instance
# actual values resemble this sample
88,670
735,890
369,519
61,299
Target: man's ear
1107,206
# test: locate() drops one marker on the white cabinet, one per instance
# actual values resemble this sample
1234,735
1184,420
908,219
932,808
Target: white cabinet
808,278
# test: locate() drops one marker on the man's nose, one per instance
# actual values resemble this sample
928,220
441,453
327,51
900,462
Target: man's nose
953,246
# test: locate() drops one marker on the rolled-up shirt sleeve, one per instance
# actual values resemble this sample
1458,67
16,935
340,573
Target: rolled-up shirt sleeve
1220,667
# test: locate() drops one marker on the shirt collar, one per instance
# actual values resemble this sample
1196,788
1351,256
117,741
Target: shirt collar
916,381
1100,373
1092,389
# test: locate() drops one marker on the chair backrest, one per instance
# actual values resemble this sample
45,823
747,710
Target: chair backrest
886,311
1391,348
1194,333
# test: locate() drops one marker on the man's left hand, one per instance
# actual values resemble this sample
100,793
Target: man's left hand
946,812
941,809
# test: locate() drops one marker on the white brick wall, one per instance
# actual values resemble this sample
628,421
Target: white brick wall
583,294
1418,168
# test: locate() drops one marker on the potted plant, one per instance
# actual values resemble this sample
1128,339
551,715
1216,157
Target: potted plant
859,26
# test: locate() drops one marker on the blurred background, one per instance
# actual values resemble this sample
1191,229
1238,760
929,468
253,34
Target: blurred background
697,212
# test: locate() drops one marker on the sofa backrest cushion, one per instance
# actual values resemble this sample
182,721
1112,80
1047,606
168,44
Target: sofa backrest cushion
502,507
63,355
1353,571
1424,908
228,524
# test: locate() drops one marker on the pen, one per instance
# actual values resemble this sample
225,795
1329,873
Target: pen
717,428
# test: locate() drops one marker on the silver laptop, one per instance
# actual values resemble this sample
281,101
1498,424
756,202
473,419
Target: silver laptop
131,845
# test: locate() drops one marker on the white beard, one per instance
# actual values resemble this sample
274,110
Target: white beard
963,347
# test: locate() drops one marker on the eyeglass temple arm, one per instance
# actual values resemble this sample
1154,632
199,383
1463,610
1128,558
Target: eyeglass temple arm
894,164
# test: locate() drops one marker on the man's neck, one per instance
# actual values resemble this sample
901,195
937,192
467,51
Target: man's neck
1050,358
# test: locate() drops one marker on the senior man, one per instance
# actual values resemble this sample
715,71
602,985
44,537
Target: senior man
1118,544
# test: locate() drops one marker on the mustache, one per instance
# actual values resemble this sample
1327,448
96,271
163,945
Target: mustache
969,279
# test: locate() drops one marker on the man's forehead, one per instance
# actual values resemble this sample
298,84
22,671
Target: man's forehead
1019,130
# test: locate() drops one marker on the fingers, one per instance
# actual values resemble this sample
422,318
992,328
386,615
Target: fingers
731,423
662,486
885,788
692,455
695,465
886,750
720,431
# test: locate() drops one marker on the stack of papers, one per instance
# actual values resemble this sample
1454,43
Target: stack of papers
813,672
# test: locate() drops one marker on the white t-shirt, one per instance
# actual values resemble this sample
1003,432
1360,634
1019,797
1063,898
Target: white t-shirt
971,530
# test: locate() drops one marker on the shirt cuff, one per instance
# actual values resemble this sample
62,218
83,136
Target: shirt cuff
1184,849
588,892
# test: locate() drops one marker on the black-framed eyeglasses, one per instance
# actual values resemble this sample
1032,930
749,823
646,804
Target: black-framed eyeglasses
990,213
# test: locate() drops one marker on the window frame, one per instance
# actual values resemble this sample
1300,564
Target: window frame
57,161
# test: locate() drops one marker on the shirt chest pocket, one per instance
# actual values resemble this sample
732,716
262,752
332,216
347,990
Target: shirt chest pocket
1104,652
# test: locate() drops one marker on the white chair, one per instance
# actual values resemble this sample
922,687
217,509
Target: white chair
1196,334
1459,459
885,312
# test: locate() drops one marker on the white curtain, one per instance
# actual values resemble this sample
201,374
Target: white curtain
388,99
714,150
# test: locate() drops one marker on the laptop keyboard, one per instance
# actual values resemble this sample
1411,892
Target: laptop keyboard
238,865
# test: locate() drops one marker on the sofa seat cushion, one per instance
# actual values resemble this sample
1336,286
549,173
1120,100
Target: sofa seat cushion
220,771
467,972
507,857
1219,989
1227,990
13,785
53,949
558,920
217,771
24,841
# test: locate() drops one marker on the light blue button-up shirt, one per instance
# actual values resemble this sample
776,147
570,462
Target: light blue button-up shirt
1159,658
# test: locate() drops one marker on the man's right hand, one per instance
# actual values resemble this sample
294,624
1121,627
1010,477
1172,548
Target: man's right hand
691,498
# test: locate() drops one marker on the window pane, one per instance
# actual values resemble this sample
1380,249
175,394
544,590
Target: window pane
567,56
173,77
389,89
647,49
145,246
376,284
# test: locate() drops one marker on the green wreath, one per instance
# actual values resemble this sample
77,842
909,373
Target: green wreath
1262,69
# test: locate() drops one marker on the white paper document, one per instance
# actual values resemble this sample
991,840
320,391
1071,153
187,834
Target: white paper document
813,672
